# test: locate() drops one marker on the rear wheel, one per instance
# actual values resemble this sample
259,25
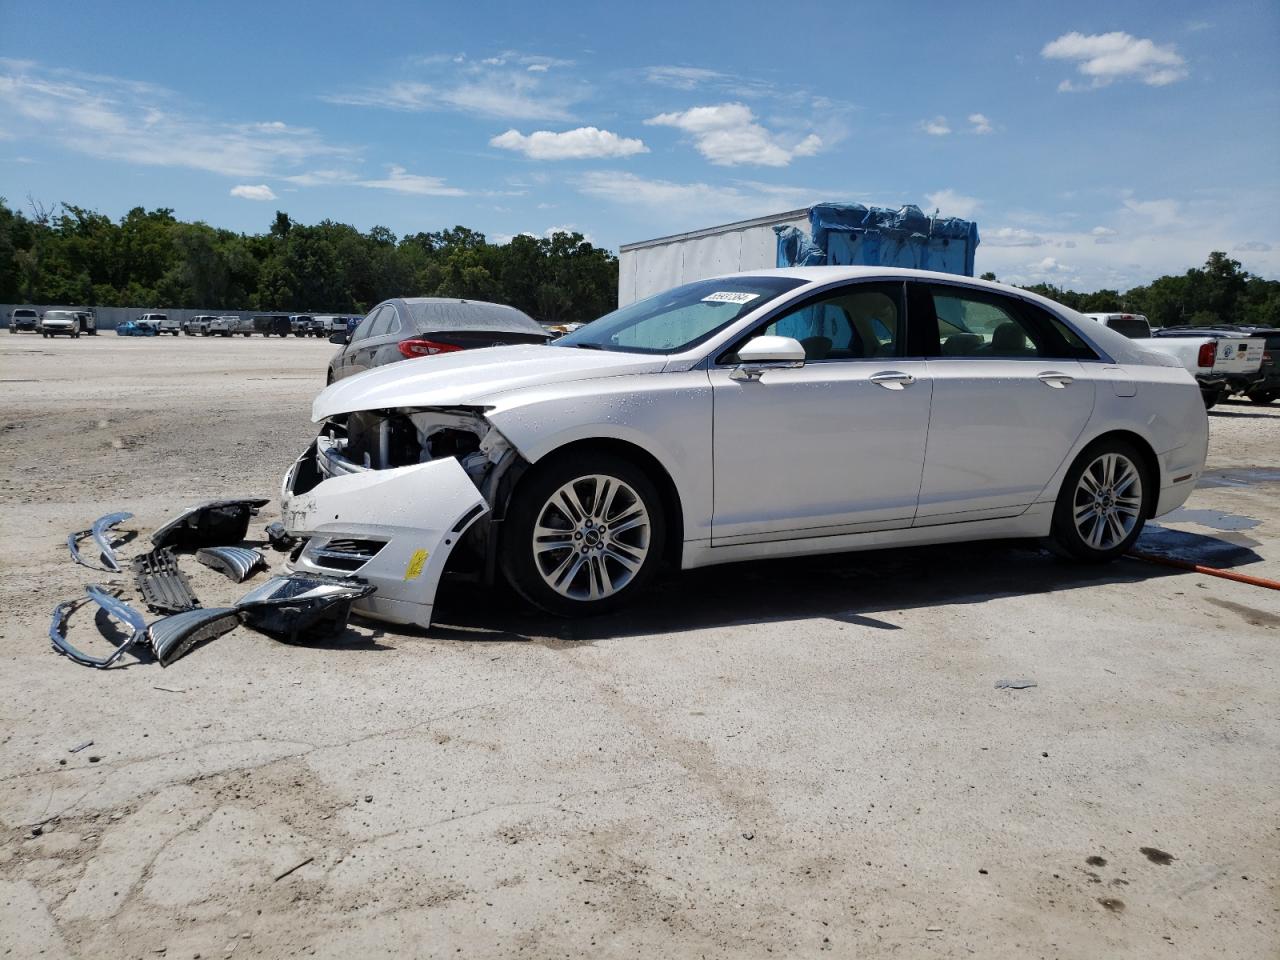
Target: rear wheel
584,535
1105,499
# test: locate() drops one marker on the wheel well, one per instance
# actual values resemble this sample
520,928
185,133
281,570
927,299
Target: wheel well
645,461
1149,459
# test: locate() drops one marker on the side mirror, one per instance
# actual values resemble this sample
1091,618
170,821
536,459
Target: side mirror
767,353
342,339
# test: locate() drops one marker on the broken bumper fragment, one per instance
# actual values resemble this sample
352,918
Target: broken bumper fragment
115,608
300,607
214,524
176,636
106,543
236,563
392,528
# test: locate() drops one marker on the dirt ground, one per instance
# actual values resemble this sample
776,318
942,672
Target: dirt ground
785,759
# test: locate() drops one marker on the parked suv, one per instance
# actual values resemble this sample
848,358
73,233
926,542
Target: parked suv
23,318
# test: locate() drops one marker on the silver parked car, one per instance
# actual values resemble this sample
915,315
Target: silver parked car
405,329
772,414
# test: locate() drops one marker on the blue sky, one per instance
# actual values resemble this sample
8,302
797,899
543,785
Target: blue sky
1096,144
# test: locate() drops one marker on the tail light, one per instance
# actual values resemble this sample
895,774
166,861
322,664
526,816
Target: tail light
425,348
1266,356
1203,359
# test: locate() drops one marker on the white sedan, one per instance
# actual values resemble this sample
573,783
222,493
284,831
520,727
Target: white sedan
770,414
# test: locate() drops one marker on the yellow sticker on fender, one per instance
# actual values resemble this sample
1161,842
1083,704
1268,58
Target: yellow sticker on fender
416,563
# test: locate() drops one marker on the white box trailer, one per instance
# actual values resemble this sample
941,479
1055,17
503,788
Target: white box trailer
826,233
652,266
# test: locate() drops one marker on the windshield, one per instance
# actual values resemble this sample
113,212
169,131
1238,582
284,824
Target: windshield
680,318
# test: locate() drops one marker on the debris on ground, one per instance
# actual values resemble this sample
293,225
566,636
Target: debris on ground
218,523
301,606
1014,684
163,586
236,563
101,531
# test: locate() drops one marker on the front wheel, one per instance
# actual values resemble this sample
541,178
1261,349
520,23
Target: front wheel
584,535
1262,396
1105,499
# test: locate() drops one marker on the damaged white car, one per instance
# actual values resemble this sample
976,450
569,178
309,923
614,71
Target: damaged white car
779,413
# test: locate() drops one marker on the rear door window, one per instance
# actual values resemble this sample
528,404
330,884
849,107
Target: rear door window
976,324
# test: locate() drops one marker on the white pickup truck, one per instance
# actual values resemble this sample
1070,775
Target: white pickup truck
1222,364
161,323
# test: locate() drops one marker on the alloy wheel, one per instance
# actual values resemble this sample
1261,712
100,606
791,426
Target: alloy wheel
1108,501
591,537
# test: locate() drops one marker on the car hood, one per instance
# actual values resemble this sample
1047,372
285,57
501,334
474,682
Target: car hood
470,377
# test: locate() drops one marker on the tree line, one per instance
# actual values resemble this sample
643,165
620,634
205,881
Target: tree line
1217,293
149,258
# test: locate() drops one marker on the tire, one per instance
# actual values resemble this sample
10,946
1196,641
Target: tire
1262,397
568,575
1097,517
1210,399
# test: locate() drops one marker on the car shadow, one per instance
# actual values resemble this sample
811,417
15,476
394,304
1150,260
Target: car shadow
1241,414
862,589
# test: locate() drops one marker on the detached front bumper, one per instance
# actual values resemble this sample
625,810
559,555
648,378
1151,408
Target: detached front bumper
393,529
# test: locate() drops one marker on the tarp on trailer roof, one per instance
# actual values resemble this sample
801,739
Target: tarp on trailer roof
846,234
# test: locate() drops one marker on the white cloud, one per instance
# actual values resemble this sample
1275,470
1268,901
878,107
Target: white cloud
116,119
682,78
1011,237
511,86
980,123
727,135
251,191
681,205
1133,249
949,203
578,144
1253,246
399,180
1160,213
937,127
1106,57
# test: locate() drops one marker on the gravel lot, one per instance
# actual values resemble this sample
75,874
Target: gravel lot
785,758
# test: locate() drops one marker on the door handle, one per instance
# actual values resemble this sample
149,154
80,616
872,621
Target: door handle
892,379
1051,378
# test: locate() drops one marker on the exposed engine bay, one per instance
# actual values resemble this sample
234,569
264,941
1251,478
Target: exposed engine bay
377,485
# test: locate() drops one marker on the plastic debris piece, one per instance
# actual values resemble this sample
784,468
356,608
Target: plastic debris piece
115,608
236,563
280,538
174,637
164,587
1014,684
101,533
217,523
301,606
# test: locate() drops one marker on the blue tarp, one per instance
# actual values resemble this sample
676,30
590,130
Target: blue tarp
847,234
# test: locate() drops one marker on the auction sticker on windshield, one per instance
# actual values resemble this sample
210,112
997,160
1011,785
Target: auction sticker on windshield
730,296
